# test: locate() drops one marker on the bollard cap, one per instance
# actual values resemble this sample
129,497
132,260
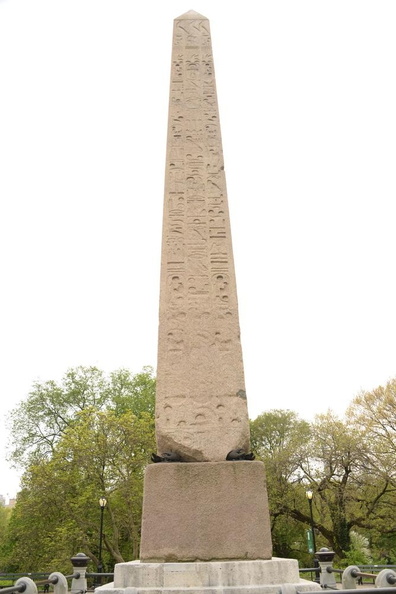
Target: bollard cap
80,560
325,555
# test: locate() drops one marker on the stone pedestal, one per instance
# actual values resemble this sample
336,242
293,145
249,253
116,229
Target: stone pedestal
207,511
277,576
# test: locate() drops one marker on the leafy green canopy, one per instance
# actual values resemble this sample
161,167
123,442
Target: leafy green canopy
92,434
88,436
38,423
347,464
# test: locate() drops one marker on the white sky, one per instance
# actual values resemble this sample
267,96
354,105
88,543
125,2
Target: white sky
307,96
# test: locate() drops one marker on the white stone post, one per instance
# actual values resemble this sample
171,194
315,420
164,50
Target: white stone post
60,585
385,579
30,586
348,577
325,557
80,563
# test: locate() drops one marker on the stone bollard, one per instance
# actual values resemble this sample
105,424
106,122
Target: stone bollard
385,579
60,586
80,563
348,579
30,586
325,557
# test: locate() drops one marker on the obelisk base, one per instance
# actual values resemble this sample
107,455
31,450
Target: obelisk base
275,576
205,530
206,511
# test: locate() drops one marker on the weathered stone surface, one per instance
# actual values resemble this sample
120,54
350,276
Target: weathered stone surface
230,573
201,409
227,577
205,512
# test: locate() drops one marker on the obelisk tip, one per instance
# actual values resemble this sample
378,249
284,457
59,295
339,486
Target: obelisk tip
190,15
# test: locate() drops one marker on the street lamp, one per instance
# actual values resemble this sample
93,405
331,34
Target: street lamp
309,495
102,503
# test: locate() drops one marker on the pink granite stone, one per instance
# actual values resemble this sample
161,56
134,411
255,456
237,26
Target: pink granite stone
201,408
205,512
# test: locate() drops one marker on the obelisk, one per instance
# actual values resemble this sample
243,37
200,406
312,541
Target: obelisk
201,410
205,524
203,507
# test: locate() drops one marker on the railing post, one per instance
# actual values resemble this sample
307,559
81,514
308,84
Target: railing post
349,577
385,579
60,586
31,587
325,557
80,563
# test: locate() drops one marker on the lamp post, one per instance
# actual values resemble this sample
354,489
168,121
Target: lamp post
309,495
102,503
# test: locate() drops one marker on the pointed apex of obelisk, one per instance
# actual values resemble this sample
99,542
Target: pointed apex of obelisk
190,15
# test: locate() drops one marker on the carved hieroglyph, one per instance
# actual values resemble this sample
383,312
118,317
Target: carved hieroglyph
201,410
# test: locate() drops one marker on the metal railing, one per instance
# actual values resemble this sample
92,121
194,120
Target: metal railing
352,576
28,585
384,582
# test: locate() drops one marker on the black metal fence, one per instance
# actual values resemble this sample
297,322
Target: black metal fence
375,579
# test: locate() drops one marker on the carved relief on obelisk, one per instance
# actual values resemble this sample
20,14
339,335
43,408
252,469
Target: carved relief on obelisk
201,410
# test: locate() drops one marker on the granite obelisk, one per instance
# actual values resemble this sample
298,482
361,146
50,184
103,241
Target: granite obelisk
205,525
201,410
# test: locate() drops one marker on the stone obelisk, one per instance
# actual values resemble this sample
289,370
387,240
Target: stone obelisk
205,525
201,410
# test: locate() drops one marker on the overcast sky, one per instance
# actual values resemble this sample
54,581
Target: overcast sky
307,96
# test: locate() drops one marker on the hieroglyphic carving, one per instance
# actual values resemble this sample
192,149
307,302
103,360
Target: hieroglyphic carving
200,371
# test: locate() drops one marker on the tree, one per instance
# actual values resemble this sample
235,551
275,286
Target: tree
330,456
132,392
102,448
374,414
5,514
38,422
346,496
281,439
335,451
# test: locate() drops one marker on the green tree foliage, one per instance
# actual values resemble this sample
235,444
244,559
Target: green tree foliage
5,513
344,498
373,413
135,393
330,456
104,439
92,434
359,551
331,469
38,422
280,439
